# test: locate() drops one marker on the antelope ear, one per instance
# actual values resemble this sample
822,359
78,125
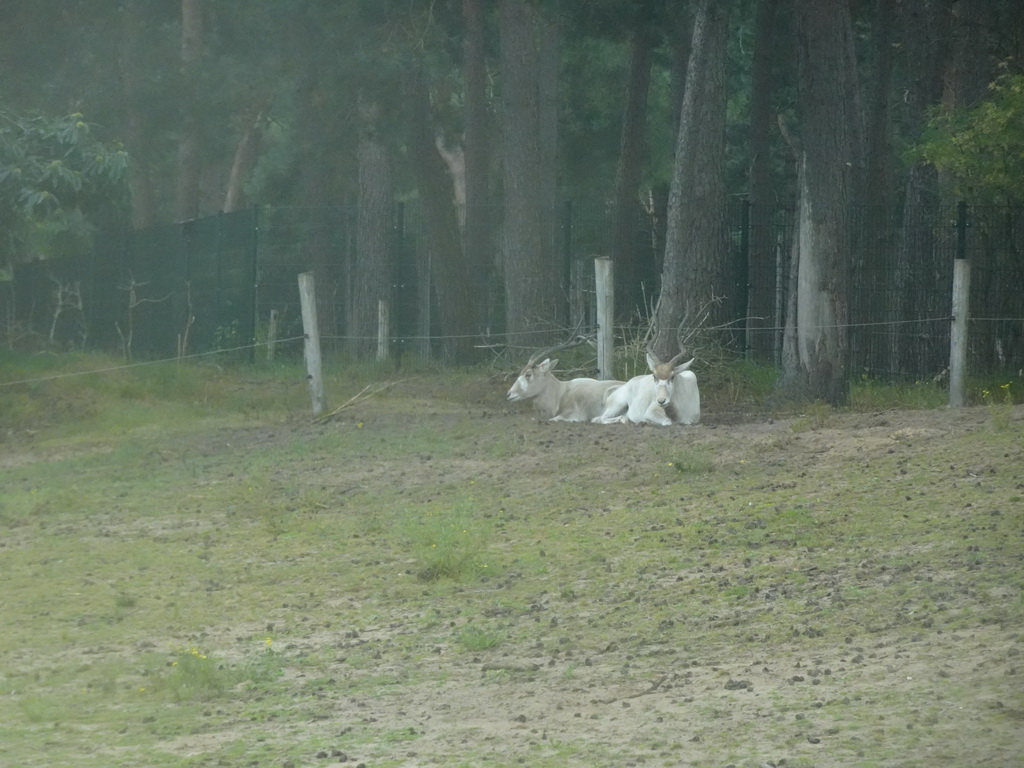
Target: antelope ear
547,365
652,361
685,366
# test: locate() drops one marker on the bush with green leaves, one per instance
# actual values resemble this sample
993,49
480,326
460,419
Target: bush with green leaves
982,147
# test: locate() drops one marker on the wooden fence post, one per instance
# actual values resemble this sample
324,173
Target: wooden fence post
604,276
311,348
961,310
958,333
271,335
383,330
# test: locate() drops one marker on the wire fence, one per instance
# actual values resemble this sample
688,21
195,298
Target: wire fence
213,284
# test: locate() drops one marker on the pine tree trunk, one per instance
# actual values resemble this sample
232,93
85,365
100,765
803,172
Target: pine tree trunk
477,228
530,273
138,138
629,273
761,270
455,293
873,238
189,167
695,280
924,33
246,154
373,269
831,158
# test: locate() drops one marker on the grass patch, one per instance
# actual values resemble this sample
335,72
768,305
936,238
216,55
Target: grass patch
400,592
448,542
475,639
691,461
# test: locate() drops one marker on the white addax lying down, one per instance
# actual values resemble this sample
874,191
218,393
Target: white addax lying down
667,395
555,400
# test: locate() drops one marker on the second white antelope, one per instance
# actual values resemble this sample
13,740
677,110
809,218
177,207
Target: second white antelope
667,395
574,400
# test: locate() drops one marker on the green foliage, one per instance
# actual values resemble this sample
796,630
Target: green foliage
692,461
56,180
448,544
622,585
475,639
870,394
1000,405
982,148
192,675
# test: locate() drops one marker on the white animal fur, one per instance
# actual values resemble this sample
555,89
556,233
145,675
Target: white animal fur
555,400
667,395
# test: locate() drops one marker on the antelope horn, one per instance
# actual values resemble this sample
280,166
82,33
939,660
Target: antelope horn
571,342
672,363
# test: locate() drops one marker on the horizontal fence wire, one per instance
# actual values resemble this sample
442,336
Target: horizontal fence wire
128,366
214,284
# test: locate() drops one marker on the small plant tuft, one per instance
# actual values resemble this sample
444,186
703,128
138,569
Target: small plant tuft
475,639
448,544
1000,406
692,461
817,416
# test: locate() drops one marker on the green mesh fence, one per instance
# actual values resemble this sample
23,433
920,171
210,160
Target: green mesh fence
213,284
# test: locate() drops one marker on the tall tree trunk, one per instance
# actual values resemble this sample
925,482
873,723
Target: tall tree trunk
832,157
924,30
548,56
695,275
879,155
246,154
875,231
761,267
455,293
680,42
532,307
315,193
374,266
189,146
629,273
477,221
971,67
136,134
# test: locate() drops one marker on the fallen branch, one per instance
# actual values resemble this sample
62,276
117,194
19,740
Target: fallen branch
653,687
362,395
512,668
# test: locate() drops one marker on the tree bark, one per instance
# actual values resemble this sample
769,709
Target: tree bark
455,293
761,268
374,265
477,228
532,307
629,273
246,154
695,275
831,158
189,145
924,31
136,133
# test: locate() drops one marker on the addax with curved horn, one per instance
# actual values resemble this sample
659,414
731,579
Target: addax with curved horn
667,395
574,400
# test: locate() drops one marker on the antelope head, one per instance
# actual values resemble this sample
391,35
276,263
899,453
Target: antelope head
532,379
664,375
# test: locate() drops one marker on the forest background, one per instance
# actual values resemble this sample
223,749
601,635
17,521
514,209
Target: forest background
860,117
